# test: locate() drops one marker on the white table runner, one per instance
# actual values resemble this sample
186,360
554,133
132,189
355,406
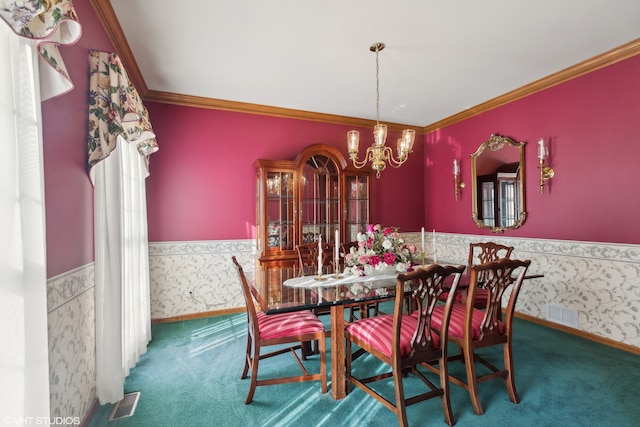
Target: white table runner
311,282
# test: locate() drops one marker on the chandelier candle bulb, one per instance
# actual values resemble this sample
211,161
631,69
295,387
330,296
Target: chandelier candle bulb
353,140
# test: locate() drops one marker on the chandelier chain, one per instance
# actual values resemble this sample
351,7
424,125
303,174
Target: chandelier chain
377,86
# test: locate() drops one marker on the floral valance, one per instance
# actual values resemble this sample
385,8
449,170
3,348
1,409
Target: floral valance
115,110
50,23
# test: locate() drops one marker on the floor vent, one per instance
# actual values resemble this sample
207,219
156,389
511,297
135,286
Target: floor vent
126,407
563,315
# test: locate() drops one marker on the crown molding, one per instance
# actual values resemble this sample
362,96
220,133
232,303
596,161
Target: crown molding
618,54
112,27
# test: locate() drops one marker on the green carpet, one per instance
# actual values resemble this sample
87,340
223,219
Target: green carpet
190,376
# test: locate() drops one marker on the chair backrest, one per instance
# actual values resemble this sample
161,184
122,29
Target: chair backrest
345,248
426,286
252,316
496,277
483,252
308,255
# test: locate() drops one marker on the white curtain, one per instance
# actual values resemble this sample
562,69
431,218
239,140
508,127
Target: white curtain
120,142
123,318
24,355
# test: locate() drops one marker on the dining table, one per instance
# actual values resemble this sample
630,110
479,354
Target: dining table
281,290
287,289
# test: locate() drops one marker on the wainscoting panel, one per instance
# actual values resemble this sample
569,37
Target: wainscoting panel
600,281
196,277
72,343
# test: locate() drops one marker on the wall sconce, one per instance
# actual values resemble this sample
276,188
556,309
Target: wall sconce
546,172
457,184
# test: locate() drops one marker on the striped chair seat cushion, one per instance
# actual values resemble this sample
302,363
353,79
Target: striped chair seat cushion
480,298
378,333
456,324
288,324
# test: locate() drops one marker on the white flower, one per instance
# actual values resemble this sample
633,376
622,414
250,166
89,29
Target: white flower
401,267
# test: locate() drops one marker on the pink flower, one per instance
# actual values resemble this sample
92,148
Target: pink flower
369,242
389,258
374,260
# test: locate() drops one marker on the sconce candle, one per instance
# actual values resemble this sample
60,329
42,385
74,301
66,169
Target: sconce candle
542,151
435,253
457,184
319,255
546,172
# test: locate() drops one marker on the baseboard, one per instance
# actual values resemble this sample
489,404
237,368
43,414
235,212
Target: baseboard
199,315
87,417
580,333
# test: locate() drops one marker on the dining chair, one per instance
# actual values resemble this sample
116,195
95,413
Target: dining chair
480,253
471,328
308,256
404,341
264,330
345,248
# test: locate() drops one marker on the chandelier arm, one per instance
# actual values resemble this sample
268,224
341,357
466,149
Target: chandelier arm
388,156
368,155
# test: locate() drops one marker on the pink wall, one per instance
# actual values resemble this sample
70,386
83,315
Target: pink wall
202,183
202,179
592,123
68,190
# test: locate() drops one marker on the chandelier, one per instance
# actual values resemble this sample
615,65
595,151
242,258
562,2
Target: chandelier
378,153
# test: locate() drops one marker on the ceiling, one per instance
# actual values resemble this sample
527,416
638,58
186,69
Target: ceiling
441,57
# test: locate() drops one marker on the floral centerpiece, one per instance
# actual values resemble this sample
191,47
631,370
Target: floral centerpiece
380,250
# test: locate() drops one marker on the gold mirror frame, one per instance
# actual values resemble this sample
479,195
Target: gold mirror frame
495,143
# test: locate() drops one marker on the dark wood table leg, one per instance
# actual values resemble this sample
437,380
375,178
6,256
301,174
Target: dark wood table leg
338,377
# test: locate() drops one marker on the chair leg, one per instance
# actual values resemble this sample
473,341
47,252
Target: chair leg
347,352
247,357
472,382
401,410
323,365
254,372
510,379
444,385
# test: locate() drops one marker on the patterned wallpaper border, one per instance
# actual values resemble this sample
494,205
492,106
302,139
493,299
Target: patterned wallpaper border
231,247
595,250
69,285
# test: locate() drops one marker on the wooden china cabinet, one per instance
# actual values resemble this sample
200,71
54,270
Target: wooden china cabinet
313,195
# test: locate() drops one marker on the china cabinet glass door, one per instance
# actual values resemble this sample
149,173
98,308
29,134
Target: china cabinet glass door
320,199
357,205
280,210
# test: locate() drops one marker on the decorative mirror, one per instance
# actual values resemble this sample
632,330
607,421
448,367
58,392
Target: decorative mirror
497,171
